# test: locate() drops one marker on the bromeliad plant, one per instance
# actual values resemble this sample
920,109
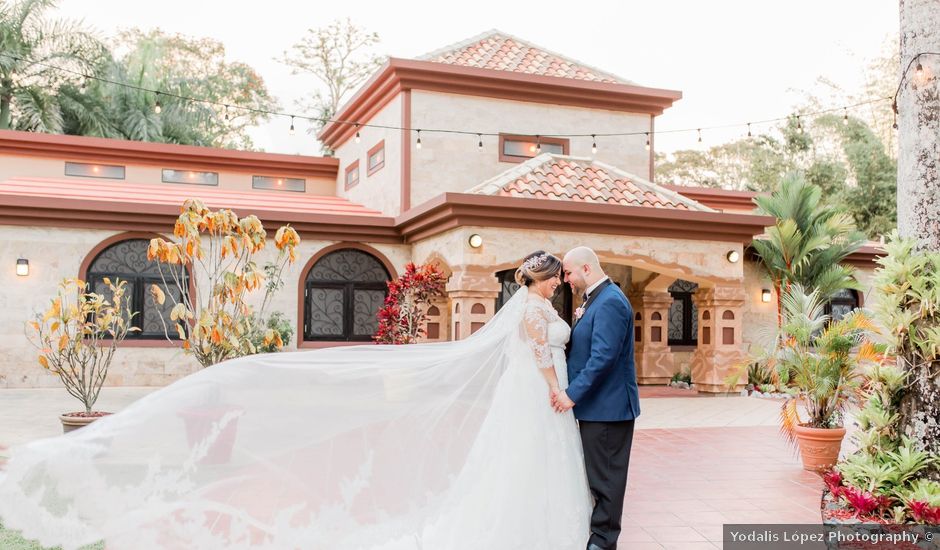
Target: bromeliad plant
78,334
218,323
821,359
403,317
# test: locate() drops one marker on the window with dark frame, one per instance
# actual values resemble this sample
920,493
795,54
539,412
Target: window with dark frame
86,170
276,183
844,302
562,299
683,315
515,148
375,159
127,261
351,176
342,296
192,177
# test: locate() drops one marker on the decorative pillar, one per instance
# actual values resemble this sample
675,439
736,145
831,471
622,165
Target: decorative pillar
720,352
438,328
472,293
652,355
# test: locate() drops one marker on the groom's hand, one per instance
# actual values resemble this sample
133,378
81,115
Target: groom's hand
562,402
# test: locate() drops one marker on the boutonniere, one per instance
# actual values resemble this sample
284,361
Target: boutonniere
578,312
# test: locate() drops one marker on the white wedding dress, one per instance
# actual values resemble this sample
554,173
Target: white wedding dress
449,446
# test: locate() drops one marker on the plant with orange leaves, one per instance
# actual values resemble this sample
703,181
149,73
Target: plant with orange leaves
78,334
216,324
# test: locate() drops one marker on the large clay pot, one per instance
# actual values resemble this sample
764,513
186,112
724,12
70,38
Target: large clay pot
75,420
819,447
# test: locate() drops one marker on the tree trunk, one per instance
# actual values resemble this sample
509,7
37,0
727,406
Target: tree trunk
919,190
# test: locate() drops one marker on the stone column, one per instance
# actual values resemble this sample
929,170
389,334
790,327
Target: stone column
472,293
720,352
438,327
652,355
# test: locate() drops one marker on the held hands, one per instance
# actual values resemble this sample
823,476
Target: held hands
560,401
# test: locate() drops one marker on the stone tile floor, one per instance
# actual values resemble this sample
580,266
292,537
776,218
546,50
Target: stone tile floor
697,462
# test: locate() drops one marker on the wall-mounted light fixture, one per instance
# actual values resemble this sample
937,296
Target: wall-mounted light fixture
22,267
475,240
765,295
733,256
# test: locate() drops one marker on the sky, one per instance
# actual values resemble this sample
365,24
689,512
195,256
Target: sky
733,61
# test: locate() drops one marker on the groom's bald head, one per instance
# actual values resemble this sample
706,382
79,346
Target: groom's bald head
582,268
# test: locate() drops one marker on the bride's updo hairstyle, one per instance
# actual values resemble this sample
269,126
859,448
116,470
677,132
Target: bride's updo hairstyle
538,266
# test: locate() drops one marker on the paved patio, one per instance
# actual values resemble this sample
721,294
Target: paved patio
698,462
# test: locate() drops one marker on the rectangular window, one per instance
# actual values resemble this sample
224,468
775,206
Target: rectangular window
86,170
190,176
376,158
352,174
278,184
514,148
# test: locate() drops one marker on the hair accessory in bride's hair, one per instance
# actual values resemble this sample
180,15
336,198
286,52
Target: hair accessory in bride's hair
534,262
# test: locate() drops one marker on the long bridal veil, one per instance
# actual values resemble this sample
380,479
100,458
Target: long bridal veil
340,448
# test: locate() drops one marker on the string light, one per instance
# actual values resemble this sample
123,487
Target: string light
291,125
647,141
538,145
480,142
226,112
845,117
748,129
158,107
418,143
358,138
593,144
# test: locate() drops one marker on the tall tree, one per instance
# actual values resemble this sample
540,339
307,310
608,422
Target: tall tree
29,44
177,66
338,56
919,191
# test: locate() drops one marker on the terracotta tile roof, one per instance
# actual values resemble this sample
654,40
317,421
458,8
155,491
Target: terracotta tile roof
174,194
502,52
560,177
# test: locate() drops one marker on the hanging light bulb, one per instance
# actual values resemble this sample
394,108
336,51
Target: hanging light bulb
480,142
358,137
291,125
226,112
593,145
919,69
158,108
538,145
799,123
845,116
647,141
84,83
418,143
749,129
894,109
699,135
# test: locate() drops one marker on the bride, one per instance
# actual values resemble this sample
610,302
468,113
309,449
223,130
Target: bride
449,446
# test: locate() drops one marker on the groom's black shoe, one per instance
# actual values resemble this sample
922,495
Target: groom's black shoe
593,546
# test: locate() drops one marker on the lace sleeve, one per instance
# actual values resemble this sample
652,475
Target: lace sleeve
536,328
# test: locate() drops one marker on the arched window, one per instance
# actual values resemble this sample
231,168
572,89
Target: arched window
342,295
561,300
844,302
683,315
127,260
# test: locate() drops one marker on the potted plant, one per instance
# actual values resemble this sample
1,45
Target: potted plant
216,321
403,317
77,337
821,360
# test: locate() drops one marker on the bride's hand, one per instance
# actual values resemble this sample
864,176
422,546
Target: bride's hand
553,392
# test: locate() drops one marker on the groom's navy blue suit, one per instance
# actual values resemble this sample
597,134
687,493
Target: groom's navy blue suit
602,384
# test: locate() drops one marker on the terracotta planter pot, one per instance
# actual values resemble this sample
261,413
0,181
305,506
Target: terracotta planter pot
819,447
75,420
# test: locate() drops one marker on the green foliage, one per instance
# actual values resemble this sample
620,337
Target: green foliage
682,376
279,323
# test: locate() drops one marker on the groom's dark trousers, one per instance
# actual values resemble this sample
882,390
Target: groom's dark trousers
607,458
603,387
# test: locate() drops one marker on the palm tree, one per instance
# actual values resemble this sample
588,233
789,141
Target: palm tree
807,243
30,46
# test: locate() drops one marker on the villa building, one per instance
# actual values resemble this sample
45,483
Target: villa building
476,205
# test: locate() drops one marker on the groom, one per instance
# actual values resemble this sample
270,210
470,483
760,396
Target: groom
602,389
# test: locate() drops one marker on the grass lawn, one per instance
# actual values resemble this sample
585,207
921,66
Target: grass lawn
11,540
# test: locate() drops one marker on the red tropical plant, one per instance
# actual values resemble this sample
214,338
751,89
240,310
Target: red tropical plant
403,318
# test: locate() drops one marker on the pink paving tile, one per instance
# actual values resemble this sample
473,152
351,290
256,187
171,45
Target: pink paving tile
713,532
675,534
658,519
689,546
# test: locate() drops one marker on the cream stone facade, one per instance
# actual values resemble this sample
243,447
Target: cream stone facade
681,255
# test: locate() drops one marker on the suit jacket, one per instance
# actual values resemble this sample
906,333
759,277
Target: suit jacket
601,370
